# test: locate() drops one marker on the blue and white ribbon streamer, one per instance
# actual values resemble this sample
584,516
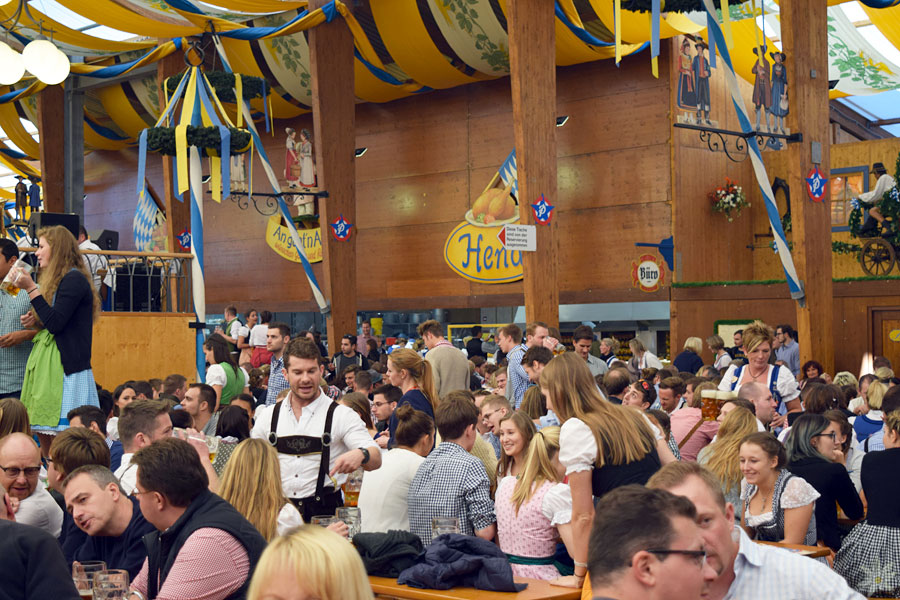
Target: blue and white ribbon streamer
759,169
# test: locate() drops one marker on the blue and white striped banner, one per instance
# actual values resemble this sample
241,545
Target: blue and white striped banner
759,169
509,174
146,216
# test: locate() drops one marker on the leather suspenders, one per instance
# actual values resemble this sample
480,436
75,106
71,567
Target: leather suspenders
303,445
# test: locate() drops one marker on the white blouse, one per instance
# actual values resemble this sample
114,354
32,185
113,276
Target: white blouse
578,446
288,518
557,504
786,384
797,492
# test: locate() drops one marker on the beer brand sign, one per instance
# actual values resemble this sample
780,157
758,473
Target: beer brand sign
648,273
278,236
475,253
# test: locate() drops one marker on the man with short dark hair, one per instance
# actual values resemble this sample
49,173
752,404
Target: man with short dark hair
297,426
347,356
509,339
142,389
788,353
473,346
15,340
737,352
744,568
582,339
33,565
363,339
658,553
616,381
203,548
200,402
493,408
93,418
533,362
175,385
141,423
671,390
451,482
111,521
231,330
20,464
449,366
277,337
362,383
384,402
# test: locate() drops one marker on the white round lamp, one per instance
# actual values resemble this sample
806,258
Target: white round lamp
11,66
46,62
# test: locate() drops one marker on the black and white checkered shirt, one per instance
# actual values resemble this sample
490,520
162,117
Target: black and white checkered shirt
450,483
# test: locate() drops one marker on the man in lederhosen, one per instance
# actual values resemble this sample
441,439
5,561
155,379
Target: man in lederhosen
316,438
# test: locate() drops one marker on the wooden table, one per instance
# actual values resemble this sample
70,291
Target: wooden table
385,587
810,551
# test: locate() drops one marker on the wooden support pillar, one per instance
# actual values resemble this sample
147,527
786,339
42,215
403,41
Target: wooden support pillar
334,139
532,61
178,210
802,24
51,108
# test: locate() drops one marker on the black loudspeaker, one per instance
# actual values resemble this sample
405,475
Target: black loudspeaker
38,220
106,239
138,289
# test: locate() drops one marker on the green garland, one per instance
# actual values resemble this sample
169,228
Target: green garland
223,83
162,139
845,248
699,284
786,223
679,6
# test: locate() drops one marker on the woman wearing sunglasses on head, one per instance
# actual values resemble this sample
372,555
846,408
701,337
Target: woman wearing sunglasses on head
815,455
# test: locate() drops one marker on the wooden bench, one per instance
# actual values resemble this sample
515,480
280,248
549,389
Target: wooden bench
810,551
385,587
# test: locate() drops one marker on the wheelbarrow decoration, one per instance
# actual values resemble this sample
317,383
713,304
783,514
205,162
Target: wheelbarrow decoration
878,252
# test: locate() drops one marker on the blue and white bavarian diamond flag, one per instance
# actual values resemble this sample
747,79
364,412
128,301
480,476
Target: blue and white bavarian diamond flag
146,217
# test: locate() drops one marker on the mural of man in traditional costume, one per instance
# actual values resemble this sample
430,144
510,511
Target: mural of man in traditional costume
762,94
779,105
687,98
305,202
701,69
21,197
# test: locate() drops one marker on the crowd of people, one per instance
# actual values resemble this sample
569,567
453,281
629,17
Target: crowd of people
632,478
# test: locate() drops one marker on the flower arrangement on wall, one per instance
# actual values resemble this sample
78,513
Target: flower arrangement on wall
729,199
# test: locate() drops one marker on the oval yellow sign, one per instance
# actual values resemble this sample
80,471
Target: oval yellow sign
477,254
279,238
894,335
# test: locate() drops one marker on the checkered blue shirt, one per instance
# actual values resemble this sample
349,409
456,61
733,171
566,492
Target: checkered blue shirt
14,358
450,483
762,571
516,377
277,382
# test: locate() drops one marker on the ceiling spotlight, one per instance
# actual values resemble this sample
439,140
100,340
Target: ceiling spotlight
360,151
560,121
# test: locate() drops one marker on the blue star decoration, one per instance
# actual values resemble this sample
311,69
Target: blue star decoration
340,229
815,185
184,240
542,210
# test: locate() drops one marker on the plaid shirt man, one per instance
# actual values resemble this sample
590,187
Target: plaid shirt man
450,483
277,382
517,379
14,358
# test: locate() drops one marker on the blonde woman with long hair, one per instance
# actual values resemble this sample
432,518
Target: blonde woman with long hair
722,456
412,374
251,483
602,445
310,562
516,432
535,509
65,306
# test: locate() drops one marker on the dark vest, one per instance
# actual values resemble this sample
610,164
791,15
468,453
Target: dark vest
207,510
608,477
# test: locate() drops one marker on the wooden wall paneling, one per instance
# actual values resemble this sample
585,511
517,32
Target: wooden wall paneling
123,347
808,81
532,45
334,118
51,105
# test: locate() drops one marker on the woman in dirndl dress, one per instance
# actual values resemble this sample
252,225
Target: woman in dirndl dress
869,556
58,375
